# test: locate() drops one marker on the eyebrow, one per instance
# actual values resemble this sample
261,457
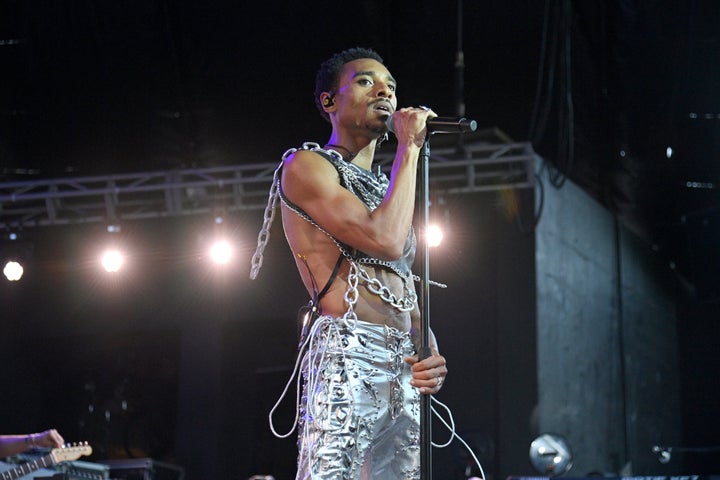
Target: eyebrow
372,73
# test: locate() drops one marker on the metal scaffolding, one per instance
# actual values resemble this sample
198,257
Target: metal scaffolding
473,167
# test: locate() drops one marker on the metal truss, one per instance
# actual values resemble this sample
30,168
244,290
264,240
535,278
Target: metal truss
458,169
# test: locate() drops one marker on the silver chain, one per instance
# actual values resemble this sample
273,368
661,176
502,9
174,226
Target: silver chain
351,295
404,304
350,178
268,217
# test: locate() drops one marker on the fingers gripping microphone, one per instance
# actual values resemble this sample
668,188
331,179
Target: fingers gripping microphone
443,125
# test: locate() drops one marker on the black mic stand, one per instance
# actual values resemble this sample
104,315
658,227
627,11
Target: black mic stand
424,299
424,304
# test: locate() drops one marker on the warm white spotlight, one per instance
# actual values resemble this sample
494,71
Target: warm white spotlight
13,271
221,252
112,261
434,236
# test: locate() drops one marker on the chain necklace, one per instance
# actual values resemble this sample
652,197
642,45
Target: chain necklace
350,155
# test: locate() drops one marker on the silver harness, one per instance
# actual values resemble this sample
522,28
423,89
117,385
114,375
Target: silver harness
371,195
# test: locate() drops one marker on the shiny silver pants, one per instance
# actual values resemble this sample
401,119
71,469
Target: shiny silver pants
359,415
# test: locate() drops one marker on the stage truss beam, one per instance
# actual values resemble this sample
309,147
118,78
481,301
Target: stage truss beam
475,167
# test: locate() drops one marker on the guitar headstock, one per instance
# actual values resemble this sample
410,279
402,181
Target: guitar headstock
70,452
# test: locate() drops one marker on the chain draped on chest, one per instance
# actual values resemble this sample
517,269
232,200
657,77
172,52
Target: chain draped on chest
370,189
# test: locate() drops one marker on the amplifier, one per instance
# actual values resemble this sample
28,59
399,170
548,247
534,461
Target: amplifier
79,470
143,469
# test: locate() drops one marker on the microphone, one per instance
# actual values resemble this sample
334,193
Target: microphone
443,124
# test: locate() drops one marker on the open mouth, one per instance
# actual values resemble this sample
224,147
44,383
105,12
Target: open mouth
384,107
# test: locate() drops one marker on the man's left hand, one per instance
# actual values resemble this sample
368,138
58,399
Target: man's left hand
429,374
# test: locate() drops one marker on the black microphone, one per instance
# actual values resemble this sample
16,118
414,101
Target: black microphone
443,124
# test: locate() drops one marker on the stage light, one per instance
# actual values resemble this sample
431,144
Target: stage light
221,252
550,454
16,253
434,236
13,271
664,454
112,261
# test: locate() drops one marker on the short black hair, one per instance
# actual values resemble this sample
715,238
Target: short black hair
328,76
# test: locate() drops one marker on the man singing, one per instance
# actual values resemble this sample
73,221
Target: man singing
350,231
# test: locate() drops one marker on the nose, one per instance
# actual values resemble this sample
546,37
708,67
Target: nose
383,90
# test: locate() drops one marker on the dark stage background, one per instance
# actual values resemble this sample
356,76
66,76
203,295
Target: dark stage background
179,362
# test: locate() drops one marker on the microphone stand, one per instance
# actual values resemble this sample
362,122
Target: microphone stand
424,293
424,304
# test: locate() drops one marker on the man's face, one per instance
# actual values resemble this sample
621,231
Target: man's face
366,95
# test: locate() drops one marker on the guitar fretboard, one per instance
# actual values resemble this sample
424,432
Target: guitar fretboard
26,468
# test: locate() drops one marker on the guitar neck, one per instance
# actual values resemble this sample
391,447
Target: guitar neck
28,467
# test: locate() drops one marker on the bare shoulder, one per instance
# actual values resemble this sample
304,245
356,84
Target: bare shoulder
305,171
306,161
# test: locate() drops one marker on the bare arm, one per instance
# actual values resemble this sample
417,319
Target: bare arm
311,182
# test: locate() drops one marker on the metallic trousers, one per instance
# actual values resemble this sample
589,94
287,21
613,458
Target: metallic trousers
359,415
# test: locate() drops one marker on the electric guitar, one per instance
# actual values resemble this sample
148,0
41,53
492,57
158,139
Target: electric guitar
66,453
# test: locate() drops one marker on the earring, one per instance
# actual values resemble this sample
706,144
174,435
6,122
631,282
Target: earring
328,101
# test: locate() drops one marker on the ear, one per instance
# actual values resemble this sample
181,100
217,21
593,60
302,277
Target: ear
327,101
